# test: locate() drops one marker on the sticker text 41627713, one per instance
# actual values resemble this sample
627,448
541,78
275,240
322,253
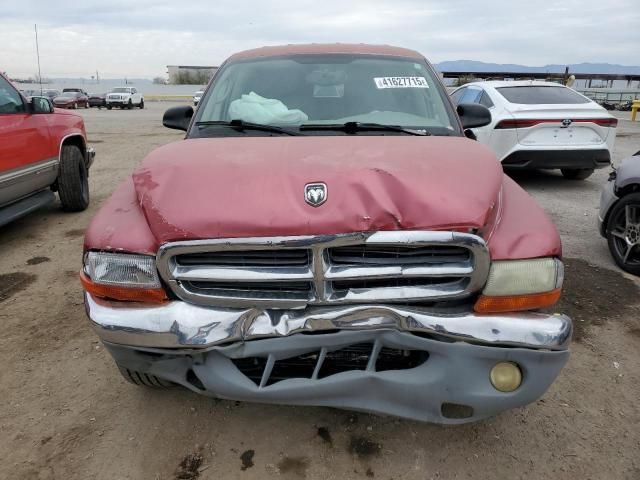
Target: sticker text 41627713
401,82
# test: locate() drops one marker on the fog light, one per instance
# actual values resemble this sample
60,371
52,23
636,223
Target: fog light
506,376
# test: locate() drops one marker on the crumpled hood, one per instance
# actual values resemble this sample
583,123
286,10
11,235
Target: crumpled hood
254,186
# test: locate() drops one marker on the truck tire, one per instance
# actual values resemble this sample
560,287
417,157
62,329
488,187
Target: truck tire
130,105
73,180
141,103
109,107
576,173
142,379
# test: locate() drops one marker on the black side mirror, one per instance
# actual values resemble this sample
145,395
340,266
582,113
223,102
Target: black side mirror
178,118
473,115
40,105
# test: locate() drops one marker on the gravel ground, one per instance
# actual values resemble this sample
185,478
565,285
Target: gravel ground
67,414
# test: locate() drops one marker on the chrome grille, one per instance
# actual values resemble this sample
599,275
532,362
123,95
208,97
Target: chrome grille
402,255
249,258
293,272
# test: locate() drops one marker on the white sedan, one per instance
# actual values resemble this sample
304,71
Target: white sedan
197,96
542,125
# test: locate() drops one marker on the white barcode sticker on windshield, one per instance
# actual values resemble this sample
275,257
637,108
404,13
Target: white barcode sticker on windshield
401,82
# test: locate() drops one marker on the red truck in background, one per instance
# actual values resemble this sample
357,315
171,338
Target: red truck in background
42,150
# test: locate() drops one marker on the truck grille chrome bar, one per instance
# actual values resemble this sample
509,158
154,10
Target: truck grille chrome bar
293,272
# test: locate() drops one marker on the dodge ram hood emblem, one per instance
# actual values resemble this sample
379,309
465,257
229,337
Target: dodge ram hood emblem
315,194
567,122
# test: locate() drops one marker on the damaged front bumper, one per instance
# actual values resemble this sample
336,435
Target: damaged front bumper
419,363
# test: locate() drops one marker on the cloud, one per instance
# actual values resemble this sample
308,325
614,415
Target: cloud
138,38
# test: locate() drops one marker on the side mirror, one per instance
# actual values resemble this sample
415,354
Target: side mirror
473,115
40,105
178,118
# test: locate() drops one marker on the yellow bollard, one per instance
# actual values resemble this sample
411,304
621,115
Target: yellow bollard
635,106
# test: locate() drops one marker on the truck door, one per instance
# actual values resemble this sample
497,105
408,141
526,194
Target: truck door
28,158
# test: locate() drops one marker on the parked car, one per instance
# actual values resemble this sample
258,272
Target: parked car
71,100
98,100
41,151
542,125
124,97
77,90
50,93
619,218
384,263
47,92
197,96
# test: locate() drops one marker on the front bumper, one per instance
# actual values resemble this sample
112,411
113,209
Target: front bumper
607,198
91,156
196,347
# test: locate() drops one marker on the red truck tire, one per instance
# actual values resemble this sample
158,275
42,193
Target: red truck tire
73,180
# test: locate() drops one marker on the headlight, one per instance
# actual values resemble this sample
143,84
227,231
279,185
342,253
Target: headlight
521,285
121,276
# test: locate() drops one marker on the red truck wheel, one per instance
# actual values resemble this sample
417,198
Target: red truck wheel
73,180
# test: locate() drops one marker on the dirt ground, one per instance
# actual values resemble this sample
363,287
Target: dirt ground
66,413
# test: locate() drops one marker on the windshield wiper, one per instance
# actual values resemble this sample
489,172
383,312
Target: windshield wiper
354,127
241,125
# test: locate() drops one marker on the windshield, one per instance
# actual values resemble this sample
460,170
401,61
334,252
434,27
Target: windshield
69,94
300,90
120,90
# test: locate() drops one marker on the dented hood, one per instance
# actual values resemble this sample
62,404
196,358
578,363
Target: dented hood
255,186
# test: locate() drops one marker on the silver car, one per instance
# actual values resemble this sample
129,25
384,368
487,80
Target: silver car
619,218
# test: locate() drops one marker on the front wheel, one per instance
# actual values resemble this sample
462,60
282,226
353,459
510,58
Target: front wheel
86,105
74,106
73,180
130,105
623,233
109,107
141,103
576,173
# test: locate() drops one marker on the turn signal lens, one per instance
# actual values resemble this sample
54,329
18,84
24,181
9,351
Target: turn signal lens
515,285
123,294
121,276
514,303
506,377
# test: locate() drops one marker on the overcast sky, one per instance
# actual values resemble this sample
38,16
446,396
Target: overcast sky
138,38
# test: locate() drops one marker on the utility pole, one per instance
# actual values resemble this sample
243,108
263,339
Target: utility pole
38,55
97,77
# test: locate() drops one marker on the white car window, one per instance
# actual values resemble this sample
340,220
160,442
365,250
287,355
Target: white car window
486,100
531,95
471,95
457,95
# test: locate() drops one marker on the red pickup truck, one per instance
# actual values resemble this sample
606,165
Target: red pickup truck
42,150
327,235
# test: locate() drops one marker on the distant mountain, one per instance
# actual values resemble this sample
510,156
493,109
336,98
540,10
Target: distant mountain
475,66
